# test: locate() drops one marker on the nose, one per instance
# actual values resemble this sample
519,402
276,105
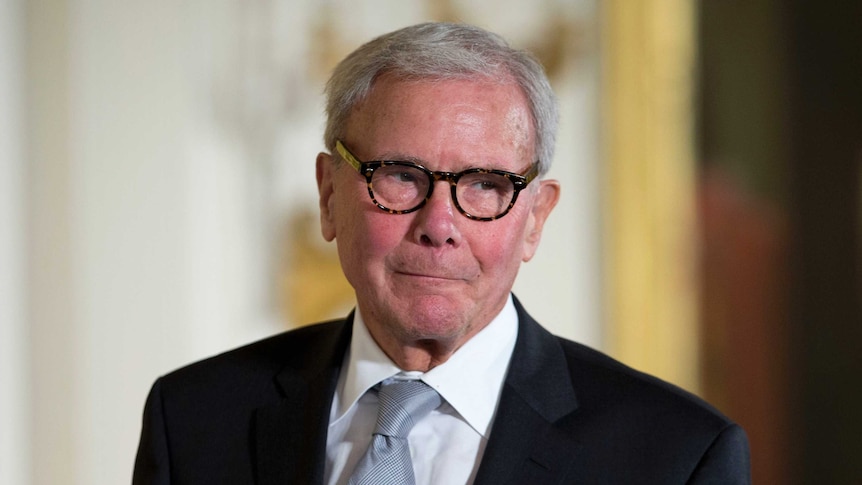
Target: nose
436,222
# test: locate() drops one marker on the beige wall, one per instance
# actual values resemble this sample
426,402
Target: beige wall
14,369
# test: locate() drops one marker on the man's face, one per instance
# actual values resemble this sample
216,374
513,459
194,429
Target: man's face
433,275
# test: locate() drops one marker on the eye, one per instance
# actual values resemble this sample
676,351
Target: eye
405,176
486,184
399,175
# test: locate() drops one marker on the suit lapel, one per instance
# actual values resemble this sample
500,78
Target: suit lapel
291,436
525,446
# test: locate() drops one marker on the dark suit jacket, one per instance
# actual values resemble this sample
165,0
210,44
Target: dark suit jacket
567,414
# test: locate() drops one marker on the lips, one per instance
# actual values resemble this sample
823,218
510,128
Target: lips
423,266
453,272
431,275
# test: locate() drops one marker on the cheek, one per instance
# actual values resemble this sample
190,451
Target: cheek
500,250
366,235
382,233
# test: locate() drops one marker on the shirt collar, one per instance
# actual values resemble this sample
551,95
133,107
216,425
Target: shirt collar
470,380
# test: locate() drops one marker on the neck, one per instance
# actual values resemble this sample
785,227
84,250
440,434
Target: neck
421,355
422,348
415,354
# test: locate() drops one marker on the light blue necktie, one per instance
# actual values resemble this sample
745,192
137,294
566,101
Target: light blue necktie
387,461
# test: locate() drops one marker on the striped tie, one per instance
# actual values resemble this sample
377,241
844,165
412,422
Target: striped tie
387,461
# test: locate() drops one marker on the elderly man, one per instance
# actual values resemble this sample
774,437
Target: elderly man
439,136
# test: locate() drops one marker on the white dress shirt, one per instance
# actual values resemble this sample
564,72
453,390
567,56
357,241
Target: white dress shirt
447,445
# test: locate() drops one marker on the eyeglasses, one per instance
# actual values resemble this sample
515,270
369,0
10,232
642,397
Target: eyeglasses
402,187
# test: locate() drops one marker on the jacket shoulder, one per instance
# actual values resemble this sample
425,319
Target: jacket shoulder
256,363
603,382
201,421
641,426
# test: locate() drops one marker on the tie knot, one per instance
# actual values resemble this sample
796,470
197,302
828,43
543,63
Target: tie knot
402,404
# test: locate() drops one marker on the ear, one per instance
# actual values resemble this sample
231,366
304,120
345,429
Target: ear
544,200
326,192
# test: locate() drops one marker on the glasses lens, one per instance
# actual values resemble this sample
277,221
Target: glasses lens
485,194
399,187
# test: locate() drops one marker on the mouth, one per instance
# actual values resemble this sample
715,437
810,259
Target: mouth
429,276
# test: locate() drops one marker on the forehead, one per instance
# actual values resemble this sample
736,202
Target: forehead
443,118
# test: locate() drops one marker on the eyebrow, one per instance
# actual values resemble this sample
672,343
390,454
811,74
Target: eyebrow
397,157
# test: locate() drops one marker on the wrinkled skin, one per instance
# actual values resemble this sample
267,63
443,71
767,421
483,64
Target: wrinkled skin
427,281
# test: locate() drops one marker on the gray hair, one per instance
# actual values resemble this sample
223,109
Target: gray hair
440,51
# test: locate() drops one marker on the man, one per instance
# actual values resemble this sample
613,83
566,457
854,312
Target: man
438,137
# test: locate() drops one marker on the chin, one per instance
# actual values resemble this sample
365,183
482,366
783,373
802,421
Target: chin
437,318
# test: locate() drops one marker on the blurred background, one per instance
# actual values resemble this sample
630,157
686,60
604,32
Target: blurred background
158,205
